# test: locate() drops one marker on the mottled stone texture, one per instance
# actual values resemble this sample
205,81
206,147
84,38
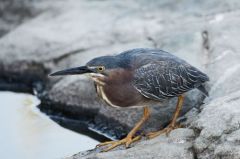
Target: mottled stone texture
176,146
69,33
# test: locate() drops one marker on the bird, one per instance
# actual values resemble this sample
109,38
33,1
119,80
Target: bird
138,78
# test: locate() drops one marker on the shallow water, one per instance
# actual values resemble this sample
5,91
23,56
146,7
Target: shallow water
26,133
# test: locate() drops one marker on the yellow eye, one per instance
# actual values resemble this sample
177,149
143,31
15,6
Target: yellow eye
101,68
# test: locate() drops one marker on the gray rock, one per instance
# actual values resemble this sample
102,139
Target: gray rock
218,125
204,33
223,63
16,12
176,146
219,118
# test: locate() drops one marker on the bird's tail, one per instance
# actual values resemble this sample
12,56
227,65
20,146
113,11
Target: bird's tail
203,90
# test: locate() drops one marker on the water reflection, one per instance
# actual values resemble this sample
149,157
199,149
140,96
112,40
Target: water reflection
26,133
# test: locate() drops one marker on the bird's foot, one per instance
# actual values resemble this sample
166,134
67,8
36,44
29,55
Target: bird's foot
127,141
166,130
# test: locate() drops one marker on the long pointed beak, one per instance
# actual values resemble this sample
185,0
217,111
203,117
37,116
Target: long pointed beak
72,71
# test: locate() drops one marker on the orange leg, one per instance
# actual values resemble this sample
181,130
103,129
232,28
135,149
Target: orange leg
172,125
130,137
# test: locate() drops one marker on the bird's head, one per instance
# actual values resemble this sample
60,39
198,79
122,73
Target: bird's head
99,67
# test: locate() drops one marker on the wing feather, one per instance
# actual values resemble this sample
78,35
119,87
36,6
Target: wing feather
165,79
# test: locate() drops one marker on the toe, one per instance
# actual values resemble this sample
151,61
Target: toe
131,140
126,141
155,134
105,143
112,146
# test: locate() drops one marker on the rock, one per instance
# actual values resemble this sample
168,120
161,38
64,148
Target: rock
67,51
16,12
223,63
218,125
177,145
206,35
219,118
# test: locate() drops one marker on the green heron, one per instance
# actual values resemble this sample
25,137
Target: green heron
141,77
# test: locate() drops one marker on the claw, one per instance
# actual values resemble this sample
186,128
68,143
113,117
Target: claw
114,144
127,141
173,125
104,143
132,140
166,130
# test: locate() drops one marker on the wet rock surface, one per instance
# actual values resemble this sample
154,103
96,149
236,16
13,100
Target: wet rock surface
69,33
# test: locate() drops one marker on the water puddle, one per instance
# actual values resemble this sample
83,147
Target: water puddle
26,133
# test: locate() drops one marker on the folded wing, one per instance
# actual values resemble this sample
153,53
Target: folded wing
165,79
